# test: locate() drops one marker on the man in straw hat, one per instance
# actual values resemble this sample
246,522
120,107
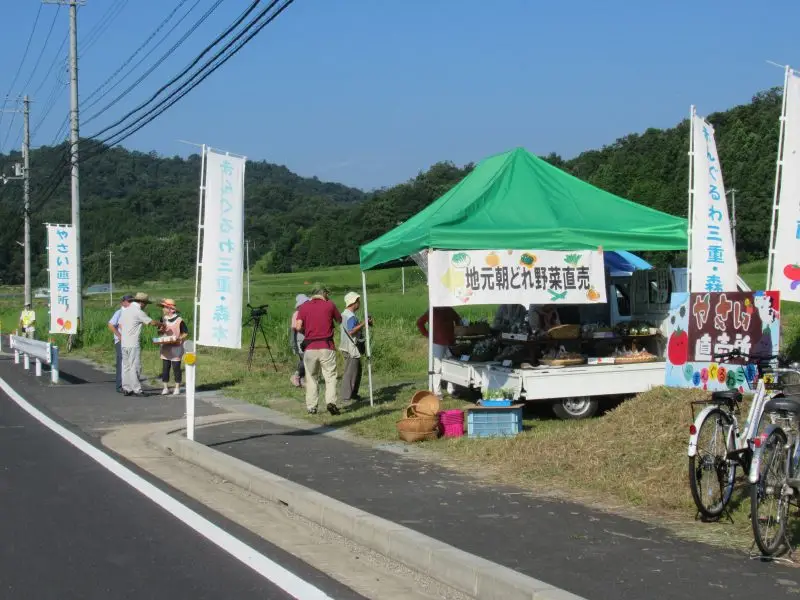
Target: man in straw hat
315,319
174,326
130,328
351,345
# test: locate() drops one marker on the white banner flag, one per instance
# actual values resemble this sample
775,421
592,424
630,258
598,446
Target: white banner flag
713,261
524,277
786,259
220,312
62,263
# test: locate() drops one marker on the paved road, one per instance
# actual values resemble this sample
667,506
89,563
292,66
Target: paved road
72,529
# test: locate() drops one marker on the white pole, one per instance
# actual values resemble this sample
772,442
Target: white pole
366,325
38,367
191,381
26,361
26,155
54,364
191,375
776,197
247,258
430,328
403,276
691,202
110,281
74,138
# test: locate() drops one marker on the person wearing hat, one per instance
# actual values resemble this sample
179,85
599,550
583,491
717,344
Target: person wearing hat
130,328
351,345
113,326
315,319
27,321
171,353
296,342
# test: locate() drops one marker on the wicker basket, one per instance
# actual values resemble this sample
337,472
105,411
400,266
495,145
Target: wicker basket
563,362
418,425
472,330
425,403
410,436
565,332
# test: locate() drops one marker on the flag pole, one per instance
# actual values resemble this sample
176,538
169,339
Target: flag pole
689,215
776,196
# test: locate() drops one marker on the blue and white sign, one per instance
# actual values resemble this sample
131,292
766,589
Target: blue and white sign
62,263
713,258
221,289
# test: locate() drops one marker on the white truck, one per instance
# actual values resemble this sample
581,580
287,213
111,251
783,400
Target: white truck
575,392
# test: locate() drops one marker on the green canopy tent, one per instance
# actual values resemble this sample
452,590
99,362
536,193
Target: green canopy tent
516,200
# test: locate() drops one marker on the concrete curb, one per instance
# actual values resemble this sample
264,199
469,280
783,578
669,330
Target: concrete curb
460,570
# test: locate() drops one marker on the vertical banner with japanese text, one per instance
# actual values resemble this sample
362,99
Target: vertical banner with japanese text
786,259
221,287
459,277
713,265
705,325
61,262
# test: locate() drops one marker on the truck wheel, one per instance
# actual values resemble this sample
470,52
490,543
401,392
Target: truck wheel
578,407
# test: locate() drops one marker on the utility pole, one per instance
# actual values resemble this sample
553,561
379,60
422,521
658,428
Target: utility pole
73,139
26,183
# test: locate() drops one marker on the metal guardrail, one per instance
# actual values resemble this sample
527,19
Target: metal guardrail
41,352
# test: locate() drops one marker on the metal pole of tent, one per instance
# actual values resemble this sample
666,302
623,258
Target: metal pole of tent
778,172
691,202
430,328
366,325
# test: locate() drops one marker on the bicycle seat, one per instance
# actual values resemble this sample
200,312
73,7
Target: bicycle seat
726,397
790,404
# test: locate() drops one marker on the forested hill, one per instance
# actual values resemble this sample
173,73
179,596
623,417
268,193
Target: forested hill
144,207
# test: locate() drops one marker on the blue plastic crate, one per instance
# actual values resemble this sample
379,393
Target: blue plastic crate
495,422
496,402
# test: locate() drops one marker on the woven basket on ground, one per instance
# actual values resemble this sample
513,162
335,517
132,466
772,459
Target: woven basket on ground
418,424
408,436
425,404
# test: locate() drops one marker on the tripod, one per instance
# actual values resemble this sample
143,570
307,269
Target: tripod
255,320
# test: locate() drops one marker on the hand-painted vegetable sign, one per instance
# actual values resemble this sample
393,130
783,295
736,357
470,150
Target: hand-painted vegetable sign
792,272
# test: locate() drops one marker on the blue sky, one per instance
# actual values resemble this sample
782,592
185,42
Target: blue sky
370,92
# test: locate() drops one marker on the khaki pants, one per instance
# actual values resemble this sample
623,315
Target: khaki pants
315,361
131,368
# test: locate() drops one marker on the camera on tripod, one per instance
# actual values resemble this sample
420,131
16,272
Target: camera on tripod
258,311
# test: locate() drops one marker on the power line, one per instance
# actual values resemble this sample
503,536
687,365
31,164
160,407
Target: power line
44,47
55,61
19,69
170,101
191,65
102,26
188,33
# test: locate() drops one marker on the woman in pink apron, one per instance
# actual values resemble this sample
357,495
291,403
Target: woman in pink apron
172,352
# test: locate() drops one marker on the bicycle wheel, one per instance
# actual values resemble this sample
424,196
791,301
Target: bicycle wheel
711,473
769,506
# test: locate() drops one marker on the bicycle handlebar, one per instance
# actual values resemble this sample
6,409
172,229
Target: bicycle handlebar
736,353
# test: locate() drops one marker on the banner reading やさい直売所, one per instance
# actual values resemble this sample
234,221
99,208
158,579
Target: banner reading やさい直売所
62,263
523,277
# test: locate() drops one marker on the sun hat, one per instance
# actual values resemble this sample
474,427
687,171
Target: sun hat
299,300
168,303
319,289
351,298
141,298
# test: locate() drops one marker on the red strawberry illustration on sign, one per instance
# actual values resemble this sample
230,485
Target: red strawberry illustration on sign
678,347
792,273
60,322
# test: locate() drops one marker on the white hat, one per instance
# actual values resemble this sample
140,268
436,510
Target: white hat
350,298
299,300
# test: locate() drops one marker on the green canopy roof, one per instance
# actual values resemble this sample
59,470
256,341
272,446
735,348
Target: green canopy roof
518,201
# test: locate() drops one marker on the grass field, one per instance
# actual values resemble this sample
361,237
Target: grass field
632,459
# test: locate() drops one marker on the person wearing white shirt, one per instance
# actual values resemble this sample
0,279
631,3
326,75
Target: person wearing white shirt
113,326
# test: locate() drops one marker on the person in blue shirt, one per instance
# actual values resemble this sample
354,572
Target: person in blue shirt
351,345
113,326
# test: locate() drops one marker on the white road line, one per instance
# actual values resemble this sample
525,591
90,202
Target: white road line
287,581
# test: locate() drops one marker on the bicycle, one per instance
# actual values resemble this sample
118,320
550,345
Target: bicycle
730,446
777,484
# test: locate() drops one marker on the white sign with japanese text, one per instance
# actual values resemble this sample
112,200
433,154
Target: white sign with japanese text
786,260
713,265
62,263
221,288
524,277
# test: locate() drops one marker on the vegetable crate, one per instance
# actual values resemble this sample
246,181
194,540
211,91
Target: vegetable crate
492,422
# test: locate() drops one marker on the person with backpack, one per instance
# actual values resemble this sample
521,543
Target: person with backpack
296,341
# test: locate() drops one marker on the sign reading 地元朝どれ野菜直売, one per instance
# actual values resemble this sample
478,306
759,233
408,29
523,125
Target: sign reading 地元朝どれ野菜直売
220,312
459,277
705,325
62,262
